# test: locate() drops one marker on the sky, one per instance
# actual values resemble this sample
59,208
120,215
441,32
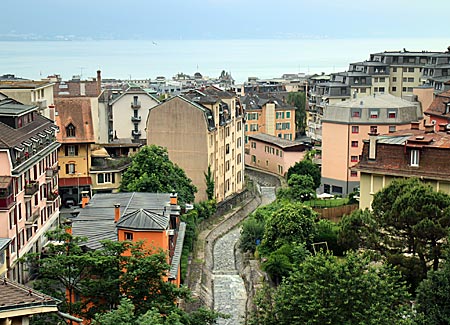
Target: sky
225,19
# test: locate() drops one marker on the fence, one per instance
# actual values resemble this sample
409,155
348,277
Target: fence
335,213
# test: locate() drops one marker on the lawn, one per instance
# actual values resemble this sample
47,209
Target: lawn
328,203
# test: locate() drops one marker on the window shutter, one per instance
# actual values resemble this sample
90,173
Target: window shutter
76,150
66,149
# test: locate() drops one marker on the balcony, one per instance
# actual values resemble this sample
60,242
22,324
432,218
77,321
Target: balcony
135,119
136,133
31,220
51,198
31,188
6,201
136,104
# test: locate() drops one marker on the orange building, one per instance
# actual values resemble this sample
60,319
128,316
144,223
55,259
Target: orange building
149,217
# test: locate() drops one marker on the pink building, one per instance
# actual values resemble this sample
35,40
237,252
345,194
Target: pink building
29,201
274,154
344,127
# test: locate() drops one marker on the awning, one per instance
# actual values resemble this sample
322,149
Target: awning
75,181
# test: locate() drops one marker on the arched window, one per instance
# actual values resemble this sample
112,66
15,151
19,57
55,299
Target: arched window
70,130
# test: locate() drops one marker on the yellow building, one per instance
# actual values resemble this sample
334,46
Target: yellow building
200,129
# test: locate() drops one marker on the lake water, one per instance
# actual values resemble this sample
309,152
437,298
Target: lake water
148,59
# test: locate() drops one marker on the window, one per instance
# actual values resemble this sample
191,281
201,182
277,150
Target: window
355,129
355,144
288,114
253,144
394,79
405,79
381,90
336,189
71,150
70,131
373,129
414,157
391,128
253,127
394,88
12,219
362,90
227,149
394,69
100,178
254,159
128,235
354,159
356,113
238,158
392,114
373,114
70,168
410,79
405,69
410,69
382,79
353,174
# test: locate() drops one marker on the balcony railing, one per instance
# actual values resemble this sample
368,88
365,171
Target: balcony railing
135,119
136,104
31,220
31,188
52,197
7,201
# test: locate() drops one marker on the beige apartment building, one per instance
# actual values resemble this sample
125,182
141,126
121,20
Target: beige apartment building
347,124
200,129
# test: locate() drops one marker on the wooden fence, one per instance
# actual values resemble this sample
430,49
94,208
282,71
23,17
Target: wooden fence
335,213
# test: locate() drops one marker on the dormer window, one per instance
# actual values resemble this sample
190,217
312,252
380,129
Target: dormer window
70,130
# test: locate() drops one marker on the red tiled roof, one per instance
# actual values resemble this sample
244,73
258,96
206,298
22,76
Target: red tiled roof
437,107
78,112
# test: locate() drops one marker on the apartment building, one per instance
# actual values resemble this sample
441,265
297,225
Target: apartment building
413,152
347,124
30,92
29,199
201,129
436,72
274,154
269,114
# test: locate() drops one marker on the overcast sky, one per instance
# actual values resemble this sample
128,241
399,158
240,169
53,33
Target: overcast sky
227,19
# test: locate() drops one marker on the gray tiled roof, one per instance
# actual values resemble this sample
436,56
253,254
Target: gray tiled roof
143,220
282,143
96,220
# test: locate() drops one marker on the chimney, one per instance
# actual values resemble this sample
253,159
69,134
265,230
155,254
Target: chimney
173,198
373,145
415,125
116,212
429,128
68,226
99,81
442,127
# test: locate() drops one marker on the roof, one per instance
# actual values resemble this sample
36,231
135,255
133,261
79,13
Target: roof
377,101
76,111
5,181
76,89
23,300
438,105
176,258
9,106
256,101
279,142
4,243
96,220
24,84
143,219
133,90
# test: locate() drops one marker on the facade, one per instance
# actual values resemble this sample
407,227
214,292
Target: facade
4,245
128,114
273,154
29,200
269,114
203,129
415,152
149,217
347,124
436,72
30,92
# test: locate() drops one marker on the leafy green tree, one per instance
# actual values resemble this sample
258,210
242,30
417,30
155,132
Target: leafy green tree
252,232
413,219
327,290
298,100
292,223
209,179
301,187
358,230
152,171
327,231
104,276
306,167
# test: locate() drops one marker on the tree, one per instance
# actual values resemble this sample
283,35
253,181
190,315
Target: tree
209,184
251,234
413,219
152,171
306,167
104,276
299,101
358,230
301,187
292,223
327,290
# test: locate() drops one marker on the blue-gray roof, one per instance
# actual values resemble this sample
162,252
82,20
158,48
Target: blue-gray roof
143,219
173,273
